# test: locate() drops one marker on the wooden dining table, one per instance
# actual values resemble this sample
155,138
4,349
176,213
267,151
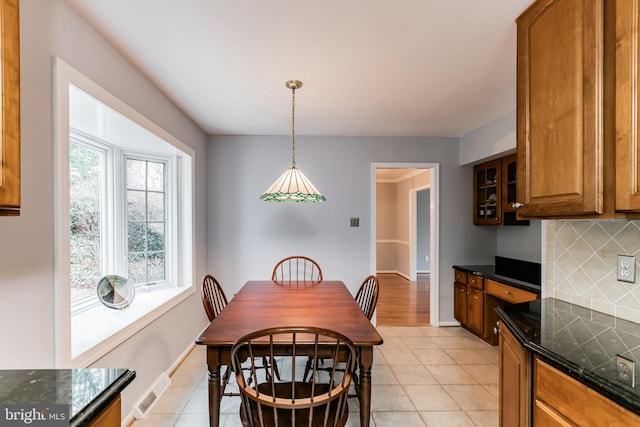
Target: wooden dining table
265,304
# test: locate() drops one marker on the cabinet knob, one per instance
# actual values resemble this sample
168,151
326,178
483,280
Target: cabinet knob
516,205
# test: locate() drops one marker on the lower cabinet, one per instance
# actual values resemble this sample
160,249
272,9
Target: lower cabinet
562,401
110,416
533,393
468,302
515,382
475,311
475,299
460,302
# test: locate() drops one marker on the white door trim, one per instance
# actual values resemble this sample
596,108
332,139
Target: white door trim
434,247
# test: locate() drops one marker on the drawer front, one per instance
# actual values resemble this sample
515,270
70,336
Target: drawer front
508,293
476,281
461,276
569,398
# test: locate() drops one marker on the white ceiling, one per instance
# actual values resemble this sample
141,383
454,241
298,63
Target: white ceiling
369,67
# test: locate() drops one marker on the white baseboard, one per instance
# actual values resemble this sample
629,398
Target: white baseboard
130,418
181,358
393,272
450,323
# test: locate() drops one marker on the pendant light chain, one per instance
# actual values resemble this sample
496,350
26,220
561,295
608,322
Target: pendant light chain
293,126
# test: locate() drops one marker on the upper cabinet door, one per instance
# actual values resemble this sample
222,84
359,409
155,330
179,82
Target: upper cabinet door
487,193
627,111
559,109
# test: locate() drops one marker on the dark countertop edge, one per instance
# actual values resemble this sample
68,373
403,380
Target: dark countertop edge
87,414
606,388
487,271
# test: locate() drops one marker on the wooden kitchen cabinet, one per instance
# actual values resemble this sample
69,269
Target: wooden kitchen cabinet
110,416
578,114
627,112
460,302
560,108
487,194
475,311
468,301
509,293
562,401
515,382
494,186
509,165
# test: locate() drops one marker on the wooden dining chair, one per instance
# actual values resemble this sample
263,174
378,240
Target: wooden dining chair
213,297
367,299
297,269
321,402
367,296
214,301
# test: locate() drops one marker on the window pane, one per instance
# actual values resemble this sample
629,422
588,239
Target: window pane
136,174
155,237
137,269
85,192
136,237
146,215
155,206
156,267
136,209
155,176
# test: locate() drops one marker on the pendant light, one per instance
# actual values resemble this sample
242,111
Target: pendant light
293,185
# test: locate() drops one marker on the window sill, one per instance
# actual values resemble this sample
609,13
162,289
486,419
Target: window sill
99,330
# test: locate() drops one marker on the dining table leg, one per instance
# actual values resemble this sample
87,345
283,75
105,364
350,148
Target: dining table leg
364,392
213,365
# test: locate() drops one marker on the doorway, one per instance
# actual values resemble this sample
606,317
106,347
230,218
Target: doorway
402,247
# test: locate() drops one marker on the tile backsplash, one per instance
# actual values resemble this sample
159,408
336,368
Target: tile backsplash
580,265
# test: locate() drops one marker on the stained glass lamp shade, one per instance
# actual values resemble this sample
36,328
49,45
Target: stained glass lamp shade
293,185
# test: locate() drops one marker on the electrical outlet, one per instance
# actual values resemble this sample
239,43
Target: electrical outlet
625,370
426,258
626,268
355,222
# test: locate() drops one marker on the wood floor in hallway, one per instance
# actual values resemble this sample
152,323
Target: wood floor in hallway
403,302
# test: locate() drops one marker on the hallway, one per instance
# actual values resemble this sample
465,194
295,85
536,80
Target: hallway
403,302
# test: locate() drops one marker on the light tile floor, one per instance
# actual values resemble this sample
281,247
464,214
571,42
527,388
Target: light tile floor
422,376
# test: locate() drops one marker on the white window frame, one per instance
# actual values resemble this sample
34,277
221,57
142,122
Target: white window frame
147,307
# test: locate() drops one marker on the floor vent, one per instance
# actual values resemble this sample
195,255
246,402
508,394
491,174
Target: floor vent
151,396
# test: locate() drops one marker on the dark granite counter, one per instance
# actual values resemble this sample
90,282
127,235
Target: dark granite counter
514,272
489,272
579,342
86,391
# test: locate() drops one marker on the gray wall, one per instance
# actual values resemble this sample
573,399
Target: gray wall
51,28
493,140
248,236
521,241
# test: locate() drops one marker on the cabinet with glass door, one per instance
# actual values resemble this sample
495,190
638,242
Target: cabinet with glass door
509,201
487,195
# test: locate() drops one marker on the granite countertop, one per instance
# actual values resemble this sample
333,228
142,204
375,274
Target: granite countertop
579,342
85,392
489,272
